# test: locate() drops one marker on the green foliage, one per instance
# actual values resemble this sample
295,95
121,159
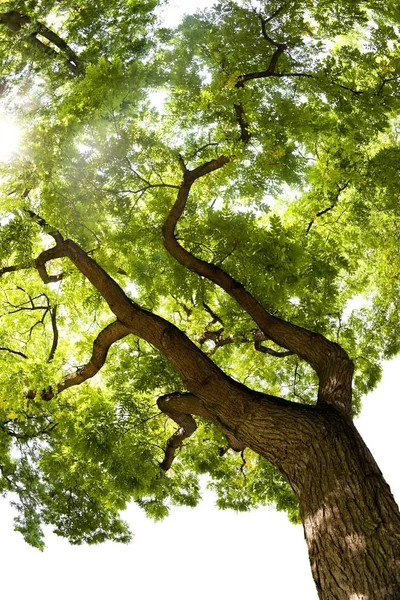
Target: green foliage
306,216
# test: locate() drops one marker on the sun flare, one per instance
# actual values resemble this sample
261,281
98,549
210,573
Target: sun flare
9,138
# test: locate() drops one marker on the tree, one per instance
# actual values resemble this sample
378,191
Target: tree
189,221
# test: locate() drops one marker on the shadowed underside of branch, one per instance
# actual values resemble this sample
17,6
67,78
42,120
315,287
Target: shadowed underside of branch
180,407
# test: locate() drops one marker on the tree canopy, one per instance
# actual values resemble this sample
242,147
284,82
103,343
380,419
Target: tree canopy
247,158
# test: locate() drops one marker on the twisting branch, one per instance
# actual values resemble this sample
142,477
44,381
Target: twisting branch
106,338
15,21
187,424
325,210
180,406
43,258
331,363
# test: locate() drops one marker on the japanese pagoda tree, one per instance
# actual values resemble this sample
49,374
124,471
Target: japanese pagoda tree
200,269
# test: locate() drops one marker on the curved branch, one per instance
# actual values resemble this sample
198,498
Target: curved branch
11,269
260,421
269,71
329,360
180,406
3,348
43,258
107,337
15,21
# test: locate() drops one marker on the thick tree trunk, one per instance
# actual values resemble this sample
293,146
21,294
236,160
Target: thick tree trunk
351,520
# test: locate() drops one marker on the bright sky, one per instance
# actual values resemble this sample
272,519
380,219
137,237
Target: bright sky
195,553
9,137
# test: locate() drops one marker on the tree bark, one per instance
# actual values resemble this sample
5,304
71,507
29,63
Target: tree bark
351,520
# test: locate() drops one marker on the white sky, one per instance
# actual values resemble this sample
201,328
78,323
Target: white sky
194,553
9,137
200,552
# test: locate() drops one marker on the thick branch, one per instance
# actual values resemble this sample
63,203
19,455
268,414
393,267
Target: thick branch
271,426
43,258
10,269
269,71
328,359
180,407
243,124
15,21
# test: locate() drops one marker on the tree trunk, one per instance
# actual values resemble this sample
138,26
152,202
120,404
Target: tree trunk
351,520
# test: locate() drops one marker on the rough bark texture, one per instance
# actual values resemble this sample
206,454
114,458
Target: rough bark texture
351,521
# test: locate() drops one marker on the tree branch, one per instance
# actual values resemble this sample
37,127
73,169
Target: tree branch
180,407
242,122
331,363
10,269
106,338
325,210
260,348
53,317
54,233
3,348
259,421
43,258
15,21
